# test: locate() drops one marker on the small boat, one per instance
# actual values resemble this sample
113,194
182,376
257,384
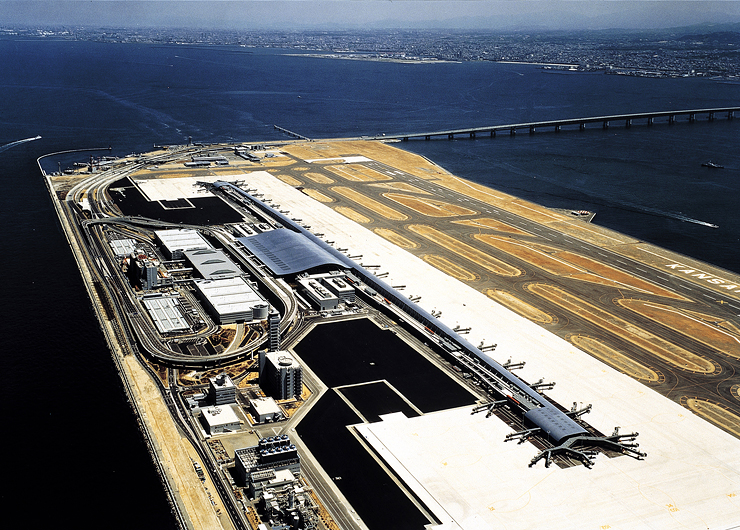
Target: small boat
712,165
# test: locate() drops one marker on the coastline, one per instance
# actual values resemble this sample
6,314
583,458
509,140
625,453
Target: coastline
353,56
184,491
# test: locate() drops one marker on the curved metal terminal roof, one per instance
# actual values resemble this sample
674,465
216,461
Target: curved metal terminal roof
554,423
286,252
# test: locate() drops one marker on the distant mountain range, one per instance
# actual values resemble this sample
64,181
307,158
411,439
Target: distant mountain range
717,37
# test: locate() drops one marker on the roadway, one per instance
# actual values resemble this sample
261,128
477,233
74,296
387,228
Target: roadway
104,213
511,128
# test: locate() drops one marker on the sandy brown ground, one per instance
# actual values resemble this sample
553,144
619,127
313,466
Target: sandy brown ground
487,261
395,238
715,413
175,452
430,207
357,173
449,267
352,214
316,194
529,311
669,352
615,358
370,204
698,329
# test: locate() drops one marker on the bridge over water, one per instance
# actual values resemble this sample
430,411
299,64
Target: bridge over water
670,116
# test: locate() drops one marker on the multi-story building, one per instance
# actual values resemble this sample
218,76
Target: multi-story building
273,321
222,390
280,375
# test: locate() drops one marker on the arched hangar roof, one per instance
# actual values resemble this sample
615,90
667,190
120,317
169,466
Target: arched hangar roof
287,252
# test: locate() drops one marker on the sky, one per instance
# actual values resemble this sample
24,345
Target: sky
374,14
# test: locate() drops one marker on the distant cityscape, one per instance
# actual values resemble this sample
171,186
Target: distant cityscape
701,51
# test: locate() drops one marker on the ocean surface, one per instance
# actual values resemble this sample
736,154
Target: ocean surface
72,450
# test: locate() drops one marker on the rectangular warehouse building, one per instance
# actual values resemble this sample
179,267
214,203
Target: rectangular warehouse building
318,294
166,314
212,264
176,242
327,290
231,300
221,419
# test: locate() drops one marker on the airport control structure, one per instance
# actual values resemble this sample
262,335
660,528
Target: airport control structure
213,292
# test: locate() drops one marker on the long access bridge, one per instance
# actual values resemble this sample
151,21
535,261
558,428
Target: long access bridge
670,116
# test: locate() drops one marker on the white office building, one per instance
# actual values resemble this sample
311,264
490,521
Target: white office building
220,419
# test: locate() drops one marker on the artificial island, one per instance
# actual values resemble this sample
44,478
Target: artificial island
343,335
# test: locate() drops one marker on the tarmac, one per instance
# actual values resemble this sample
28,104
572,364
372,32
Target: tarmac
460,463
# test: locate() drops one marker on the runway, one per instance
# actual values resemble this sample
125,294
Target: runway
660,319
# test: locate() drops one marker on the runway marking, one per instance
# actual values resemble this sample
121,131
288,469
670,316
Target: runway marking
713,280
695,326
351,214
450,268
464,250
661,348
537,214
395,238
520,307
713,413
530,255
315,194
615,358
370,204
620,277
429,207
729,326
457,184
